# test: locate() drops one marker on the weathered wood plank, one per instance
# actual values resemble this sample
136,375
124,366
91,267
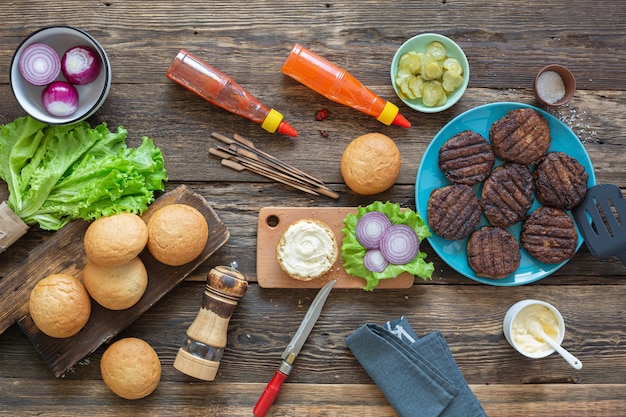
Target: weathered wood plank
342,400
519,38
505,43
266,319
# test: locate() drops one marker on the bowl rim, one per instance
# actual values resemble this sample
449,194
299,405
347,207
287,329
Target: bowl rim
54,120
457,94
516,309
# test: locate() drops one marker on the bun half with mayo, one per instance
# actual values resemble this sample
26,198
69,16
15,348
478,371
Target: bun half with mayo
307,249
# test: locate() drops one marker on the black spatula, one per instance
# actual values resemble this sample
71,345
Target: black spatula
600,218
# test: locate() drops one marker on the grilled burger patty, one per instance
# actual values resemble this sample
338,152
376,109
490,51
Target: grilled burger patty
522,136
466,158
493,252
453,211
560,181
549,235
507,194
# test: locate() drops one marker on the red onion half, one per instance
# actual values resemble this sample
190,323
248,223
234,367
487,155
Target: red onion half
39,64
80,65
370,227
399,244
60,99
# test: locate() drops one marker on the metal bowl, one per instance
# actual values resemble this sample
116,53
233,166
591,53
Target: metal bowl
90,96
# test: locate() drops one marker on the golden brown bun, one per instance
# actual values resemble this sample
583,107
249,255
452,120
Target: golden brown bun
59,305
131,368
116,239
370,164
177,234
116,287
307,249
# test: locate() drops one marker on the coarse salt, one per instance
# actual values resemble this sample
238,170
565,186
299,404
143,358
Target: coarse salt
550,87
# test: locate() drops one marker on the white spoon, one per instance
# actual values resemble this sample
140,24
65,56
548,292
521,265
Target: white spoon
536,329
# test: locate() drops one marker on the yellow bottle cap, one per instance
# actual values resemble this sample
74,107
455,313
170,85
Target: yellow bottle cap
388,114
272,121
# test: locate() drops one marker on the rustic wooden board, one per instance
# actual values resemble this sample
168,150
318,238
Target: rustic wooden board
272,223
64,253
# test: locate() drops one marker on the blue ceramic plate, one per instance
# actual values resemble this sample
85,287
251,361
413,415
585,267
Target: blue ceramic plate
429,177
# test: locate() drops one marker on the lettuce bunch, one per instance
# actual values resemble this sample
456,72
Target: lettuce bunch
352,252
56,174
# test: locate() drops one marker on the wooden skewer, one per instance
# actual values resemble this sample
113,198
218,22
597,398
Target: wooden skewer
240,167
242,154
249,144
296,174
233,161
254,152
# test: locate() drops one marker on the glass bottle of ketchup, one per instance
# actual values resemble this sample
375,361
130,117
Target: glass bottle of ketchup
338,85
221,90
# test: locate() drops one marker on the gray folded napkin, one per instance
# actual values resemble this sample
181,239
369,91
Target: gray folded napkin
418,376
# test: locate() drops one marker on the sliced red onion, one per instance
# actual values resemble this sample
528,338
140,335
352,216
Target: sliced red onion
399,244
80,65
60,98
39,64
375,261
369,228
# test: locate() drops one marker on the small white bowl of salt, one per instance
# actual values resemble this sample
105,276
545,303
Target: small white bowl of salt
554,85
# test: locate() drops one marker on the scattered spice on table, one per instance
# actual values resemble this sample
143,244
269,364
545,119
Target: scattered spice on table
321,115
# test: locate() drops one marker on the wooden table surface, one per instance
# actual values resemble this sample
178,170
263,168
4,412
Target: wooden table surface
506,44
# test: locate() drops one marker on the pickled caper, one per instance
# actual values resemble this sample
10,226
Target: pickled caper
437,50
432,93
432,71
451,81
451,64
403,88
415,84
410,62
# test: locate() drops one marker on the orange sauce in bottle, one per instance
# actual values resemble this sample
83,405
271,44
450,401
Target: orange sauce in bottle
336,84
221,90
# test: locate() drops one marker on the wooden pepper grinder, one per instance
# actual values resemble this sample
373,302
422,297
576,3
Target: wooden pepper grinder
202,351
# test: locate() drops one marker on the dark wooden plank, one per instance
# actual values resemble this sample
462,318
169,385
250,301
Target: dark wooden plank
265,320
519,38
342,400
240,215
506,44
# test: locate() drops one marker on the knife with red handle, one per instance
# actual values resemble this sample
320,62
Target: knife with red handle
291,351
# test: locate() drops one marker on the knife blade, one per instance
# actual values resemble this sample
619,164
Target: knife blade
291,351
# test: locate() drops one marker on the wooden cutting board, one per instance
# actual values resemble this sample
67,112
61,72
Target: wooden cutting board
273,221
63,252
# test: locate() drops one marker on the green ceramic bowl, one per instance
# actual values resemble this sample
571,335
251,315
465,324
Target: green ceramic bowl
418,44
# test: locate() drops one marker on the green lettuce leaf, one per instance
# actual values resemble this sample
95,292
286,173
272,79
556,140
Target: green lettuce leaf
56,174
352,252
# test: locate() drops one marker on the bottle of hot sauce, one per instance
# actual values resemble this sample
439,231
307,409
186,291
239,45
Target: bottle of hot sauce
335,83
221,90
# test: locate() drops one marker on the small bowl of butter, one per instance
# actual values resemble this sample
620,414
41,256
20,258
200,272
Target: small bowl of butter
516,327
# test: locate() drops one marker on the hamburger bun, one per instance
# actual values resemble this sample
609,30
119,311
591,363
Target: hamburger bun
177,234
370,164
116,287
59,305
307,249
116,239
131,368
